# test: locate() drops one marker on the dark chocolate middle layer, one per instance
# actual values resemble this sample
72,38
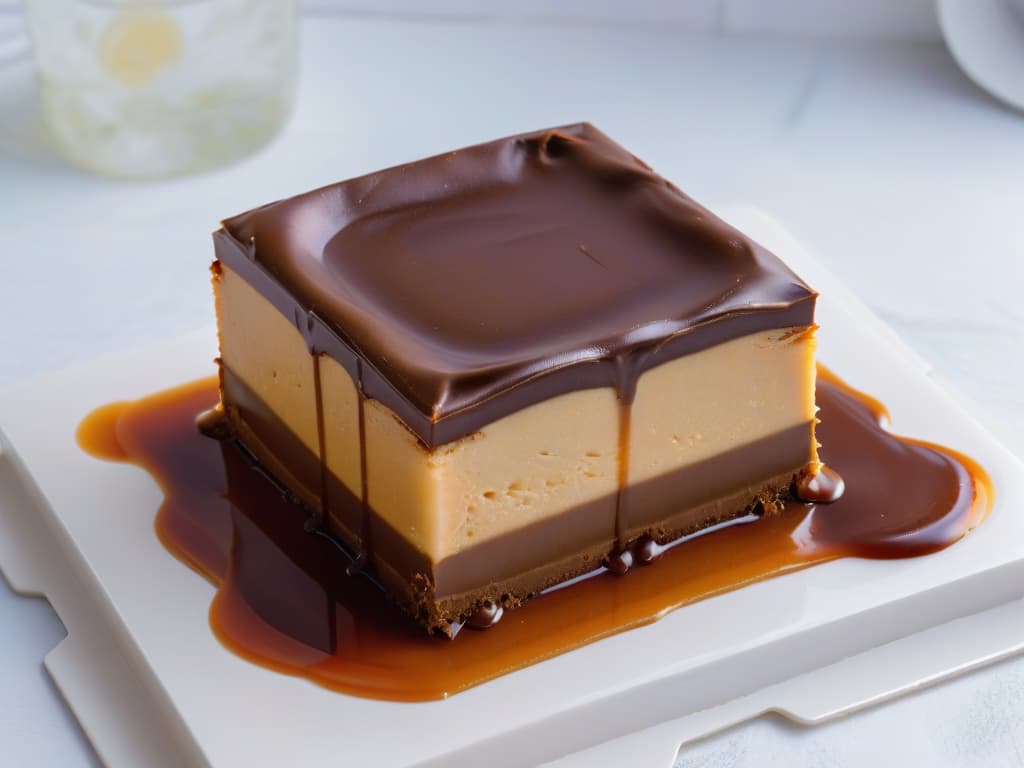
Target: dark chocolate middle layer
475,283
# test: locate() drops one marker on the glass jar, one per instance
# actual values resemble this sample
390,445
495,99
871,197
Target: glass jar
145,88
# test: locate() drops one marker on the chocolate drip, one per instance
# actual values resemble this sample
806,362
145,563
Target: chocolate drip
644,551
366,554
647,550
321,437
486,616
625,436
620,561
285,601
825,486
213,424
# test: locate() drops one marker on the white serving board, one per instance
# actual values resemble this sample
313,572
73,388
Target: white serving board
150,684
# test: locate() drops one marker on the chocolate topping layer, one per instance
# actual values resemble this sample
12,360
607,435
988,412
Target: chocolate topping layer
461,288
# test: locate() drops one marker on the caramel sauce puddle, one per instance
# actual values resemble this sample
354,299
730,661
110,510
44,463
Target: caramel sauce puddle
284,601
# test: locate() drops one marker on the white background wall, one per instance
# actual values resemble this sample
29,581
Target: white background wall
892,19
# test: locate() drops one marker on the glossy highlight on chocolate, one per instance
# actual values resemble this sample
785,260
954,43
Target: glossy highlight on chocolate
284,599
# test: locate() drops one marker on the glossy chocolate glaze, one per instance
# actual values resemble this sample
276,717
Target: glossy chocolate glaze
464,287
284,600
825,486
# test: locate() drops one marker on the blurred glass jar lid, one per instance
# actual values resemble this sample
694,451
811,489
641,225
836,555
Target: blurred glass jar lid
986,37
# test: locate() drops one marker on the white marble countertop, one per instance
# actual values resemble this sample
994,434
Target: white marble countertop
906,180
